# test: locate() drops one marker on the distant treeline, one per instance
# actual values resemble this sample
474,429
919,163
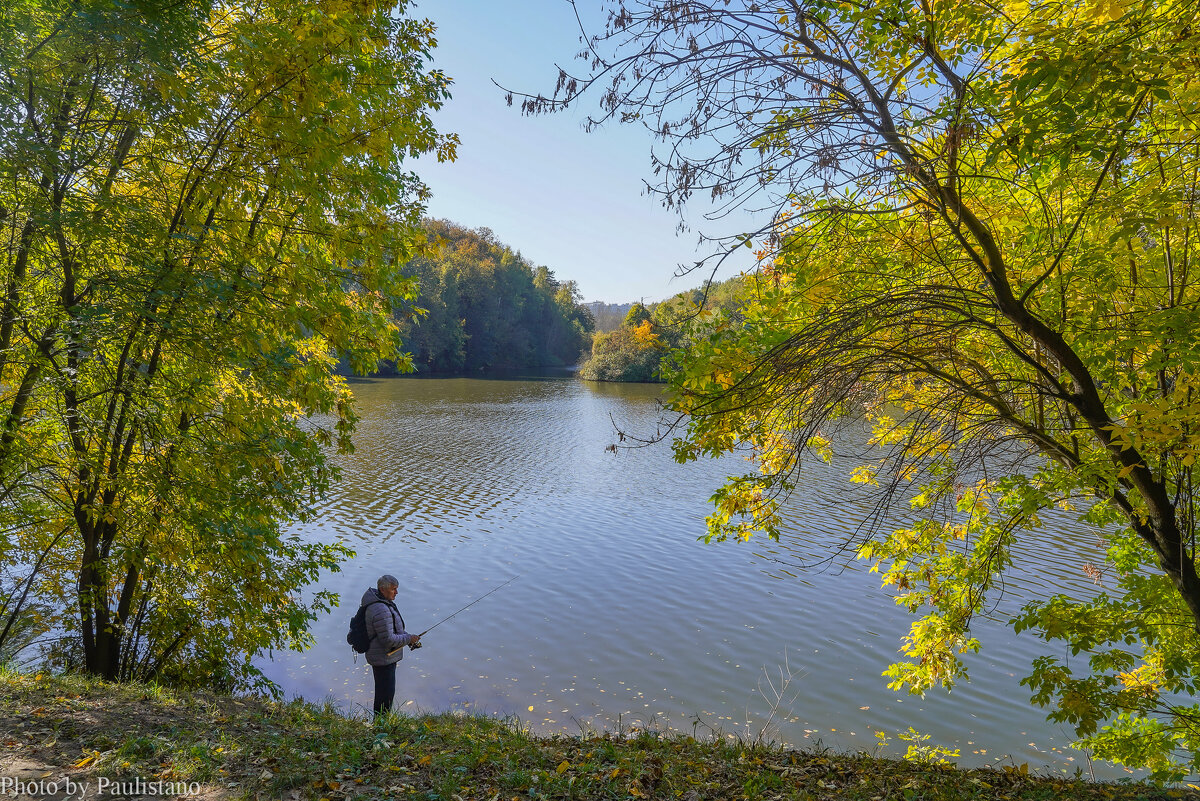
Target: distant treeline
482,306
634,351
487,308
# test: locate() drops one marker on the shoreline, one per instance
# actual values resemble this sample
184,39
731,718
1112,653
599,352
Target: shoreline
213,746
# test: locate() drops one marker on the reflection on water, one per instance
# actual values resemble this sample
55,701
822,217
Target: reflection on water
620,617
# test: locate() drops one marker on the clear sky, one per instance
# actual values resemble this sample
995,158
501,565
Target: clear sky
567,199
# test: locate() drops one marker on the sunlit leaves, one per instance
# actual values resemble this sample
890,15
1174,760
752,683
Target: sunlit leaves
980,259
483,306
206,212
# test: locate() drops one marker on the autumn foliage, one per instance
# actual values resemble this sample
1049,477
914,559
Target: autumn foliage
203,207
978,232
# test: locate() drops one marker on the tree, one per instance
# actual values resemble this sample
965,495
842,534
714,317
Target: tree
978,223
204,206
485,307
630,353
637,315
648,335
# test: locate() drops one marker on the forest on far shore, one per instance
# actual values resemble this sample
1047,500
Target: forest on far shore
649,333
482,306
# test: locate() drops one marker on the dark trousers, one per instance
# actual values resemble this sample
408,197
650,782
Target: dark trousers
385,687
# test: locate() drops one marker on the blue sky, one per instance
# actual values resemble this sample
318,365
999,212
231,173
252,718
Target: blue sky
567,199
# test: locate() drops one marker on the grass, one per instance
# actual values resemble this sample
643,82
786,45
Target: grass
238,747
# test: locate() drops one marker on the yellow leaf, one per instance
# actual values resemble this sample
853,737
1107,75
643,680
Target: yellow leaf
562,767
425,760
1106,10
645,337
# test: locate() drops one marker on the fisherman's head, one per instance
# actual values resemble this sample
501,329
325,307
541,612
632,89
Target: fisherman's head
388,585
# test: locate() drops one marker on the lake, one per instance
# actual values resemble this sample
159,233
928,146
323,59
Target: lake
621,619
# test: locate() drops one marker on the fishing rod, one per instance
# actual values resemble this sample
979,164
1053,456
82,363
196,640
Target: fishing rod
465,608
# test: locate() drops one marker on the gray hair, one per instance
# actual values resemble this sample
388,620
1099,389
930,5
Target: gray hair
387,582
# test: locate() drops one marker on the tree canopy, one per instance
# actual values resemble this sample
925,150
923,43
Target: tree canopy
635,350
978,220
196,200
483,306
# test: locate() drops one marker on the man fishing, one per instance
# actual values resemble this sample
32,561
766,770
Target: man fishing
387,637
385,627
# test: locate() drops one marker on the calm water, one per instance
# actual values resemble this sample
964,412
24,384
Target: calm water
620,618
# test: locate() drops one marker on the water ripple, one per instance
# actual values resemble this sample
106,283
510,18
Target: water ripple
620,615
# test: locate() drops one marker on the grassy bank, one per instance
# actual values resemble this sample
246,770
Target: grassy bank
70,727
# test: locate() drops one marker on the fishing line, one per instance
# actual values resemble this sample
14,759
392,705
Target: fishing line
465,608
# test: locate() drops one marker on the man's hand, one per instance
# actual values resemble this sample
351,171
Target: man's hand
415,642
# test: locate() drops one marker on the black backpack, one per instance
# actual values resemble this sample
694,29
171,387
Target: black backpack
358,638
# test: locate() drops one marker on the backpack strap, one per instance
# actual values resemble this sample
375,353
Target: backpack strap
364,609
392,606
